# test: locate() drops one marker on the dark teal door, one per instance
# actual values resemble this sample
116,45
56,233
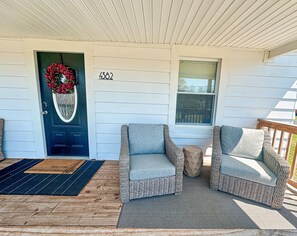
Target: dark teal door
64,136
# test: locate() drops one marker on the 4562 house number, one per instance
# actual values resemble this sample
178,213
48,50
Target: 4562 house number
106,75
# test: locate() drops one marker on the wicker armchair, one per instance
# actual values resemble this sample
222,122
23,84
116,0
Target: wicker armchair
1,136
133,187
272,165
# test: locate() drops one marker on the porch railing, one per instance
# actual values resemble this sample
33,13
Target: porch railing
284,142
193,115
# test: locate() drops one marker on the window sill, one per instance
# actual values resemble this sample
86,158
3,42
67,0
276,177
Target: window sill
195,126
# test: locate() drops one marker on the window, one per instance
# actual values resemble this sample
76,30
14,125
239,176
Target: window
196,92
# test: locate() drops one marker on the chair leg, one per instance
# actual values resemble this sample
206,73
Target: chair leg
124,200
124,197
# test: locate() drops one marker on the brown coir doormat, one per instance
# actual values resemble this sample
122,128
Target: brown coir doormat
55,166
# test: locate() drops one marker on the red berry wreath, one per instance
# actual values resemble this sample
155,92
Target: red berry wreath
60,78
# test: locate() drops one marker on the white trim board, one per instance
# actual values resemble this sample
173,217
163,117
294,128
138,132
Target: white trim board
283,49
180,132
30,48
197,53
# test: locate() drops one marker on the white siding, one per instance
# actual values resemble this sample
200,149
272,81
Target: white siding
258,89
15,102
142,90
248,89
139,92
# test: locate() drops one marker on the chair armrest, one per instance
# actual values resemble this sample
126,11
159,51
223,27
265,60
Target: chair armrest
176,156
281,168
216,158
278,165
124,165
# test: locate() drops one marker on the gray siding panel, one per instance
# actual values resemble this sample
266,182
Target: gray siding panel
15,103
139,92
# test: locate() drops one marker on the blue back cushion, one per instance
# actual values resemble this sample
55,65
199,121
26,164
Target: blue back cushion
242,142
146,139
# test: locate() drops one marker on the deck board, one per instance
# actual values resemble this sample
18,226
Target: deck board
97,205
95,211
95,231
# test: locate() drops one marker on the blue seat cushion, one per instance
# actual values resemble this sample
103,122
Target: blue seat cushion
149,166
146,139
242,142
248,169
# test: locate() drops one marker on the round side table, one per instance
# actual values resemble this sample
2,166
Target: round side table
193,160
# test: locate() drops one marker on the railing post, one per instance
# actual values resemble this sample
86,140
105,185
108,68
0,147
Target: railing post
288,146
280,142
293,166
273,138
259,124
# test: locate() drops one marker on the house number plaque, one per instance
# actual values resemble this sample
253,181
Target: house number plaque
106,75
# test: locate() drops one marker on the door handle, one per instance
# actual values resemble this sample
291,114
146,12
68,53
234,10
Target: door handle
44,112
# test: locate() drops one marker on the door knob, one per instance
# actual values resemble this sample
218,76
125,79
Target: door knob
44,112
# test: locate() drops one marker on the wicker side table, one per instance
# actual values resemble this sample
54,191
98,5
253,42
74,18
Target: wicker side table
193,160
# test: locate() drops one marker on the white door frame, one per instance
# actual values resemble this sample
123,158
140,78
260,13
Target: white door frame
31,46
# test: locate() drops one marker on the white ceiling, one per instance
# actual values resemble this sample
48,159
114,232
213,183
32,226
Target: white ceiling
264,24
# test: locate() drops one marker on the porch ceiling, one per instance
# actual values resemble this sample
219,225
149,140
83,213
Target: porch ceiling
262,24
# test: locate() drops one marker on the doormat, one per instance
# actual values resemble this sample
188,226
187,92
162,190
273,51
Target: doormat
55,166
14,180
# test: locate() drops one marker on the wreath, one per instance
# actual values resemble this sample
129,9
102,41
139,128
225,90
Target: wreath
60,78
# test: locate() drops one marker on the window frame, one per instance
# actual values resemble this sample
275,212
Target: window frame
215,94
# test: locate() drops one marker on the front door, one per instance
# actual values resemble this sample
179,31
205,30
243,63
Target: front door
65,115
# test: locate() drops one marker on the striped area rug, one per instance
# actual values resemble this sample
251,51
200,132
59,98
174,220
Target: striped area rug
14,180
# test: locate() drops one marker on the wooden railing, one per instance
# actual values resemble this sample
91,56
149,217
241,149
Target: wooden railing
193,115
282,135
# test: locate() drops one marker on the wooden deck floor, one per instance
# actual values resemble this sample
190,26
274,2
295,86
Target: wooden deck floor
97,205
95,211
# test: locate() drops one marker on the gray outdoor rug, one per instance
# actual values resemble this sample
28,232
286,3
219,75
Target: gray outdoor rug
199,207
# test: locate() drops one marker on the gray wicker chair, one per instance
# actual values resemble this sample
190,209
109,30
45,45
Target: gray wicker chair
133,189
245,187
1,137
